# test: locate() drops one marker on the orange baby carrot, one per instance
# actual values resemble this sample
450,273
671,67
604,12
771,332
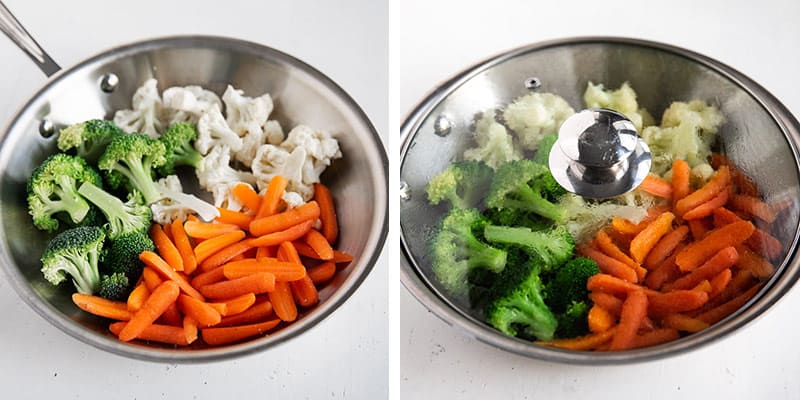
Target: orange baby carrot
283,271
282,302
204,314
320,244
305,250
600,319
582,343
206,230
657,187
610,303
151,278
272,197
698,252
154,333
226,254
719,282
255,283
644,241
303,290
612,285
341,257
634,310
206,278
189,329
166,248
665,272
760,241
184,246
703,286
758,266
137,297
159,265
322,273
289,234
676,301
327,212
278,222
208,247
231,334
624,226
719,313
753,206
239,304
721,261
221,308
247,196
715,185
654,337
680,180
699,228
228,217
102,307
266,252
665,246
707,208
684,323
171,316
159,300
608,247
258,312
610,265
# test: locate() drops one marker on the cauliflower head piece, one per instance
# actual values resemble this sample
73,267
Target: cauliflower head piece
246,114
320,148
271,160
534,115
187,103
179,205
495,144
213,132
145,112
622,100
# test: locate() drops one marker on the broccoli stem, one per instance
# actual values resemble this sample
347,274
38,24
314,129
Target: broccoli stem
84,276
535,315
139,174
483,255
112,207
70,202
187,155
532,201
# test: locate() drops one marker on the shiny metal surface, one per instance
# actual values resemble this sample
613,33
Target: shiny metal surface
760,137
20,36
599,154
302,94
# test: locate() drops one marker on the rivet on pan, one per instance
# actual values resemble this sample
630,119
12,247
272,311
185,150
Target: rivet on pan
109,82
405,191
46,128
533,83
443,125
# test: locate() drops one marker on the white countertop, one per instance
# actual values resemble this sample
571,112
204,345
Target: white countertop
346,355
760,39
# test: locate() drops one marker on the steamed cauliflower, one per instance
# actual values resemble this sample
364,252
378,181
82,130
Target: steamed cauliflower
144,117
246,114
622,100
495,144
213,132
187,103
319,146
178,205
271,160
534,115
253,140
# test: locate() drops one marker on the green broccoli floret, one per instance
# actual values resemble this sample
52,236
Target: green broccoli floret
518,306
178,141
123,254
75,253
568,285
573,322
552,247
88,138
542,155
52,191
114,287
516,217
463,183
456,251
526,185
130,160
123,218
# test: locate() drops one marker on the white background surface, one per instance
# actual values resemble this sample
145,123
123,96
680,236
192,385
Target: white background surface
345,356
760,39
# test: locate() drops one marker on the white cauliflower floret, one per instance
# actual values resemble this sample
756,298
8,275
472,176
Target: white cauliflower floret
224,197
292,200
622,100
213,132
273,132
178,205
320,147
215,169
246,114
145,112
534,115
271,160
187,103
495,145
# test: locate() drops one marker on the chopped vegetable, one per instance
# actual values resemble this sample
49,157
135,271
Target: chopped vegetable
89,139
535,115
495,144
75,253
463,184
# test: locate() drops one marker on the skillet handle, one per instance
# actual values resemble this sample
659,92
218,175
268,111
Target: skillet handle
17,33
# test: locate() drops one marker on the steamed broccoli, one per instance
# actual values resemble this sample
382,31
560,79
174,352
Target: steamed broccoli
123,254
123,218
463,184
88,138
528,186
515,217
75,253
130,160
552,247
179,147
114,287
457,251
52,189
542,155
518,306
567,296
573,322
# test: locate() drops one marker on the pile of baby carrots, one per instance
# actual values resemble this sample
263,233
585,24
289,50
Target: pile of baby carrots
686,266
232,279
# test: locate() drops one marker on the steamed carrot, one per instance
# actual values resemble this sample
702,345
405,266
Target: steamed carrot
741,281
247,196
610,303
703,286
668,243
239,304
719,313
676,301
612,285
272,197
290,234
684,323
279,222
753,206
634,310
721,261
207,230
705,209
608,247
644,241
657,187
231,334
306,251
229,217
102,307
680,180
166,248
282,302
600,319
303,290
214,244
610,265
719,282
154,261
760,241
256,283
586,342
757,265
665,272
171,316
206,278
698,252
159,300
221,308
257,312
137,297
654,337
327,212
266,252
699,228
154,333
226,254
204,314
322,273
713,187
341,257
151,278
283,271
184,246
319,243
189,329
740,179
624,226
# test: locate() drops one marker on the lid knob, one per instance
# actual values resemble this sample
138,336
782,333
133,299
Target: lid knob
599,154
